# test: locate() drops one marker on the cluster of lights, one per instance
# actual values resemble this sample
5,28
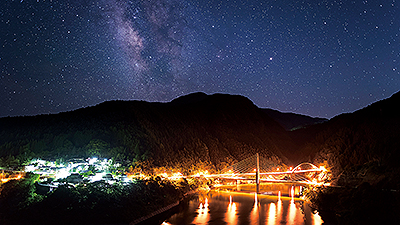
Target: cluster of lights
171,176
178,175
64,170
202,173
4,178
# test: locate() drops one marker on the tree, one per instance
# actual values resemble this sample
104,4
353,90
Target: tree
96,147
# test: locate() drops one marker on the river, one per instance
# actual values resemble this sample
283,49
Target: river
244,208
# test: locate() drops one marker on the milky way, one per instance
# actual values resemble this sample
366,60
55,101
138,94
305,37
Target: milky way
150,35
319,58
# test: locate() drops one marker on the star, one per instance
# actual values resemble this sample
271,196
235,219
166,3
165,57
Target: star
318,59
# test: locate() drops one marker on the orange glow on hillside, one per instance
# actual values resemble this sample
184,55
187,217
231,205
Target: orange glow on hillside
4,178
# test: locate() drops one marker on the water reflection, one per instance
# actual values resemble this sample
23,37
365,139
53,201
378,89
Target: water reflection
202,213
295,216
231,212
272,214
279,211
316,219
254,215
238,208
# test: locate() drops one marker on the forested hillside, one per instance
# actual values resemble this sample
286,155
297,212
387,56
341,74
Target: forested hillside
292,121
210,130
363,146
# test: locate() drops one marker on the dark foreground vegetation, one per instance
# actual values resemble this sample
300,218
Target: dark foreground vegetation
361,149
91,203
364,204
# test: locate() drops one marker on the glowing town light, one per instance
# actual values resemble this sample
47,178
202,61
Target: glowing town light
163,175
206,172
322,168
97,177
12,177
104,162
40,161
202,173
92,160
176,176
277,169
30,168
62,173
125,179
52,164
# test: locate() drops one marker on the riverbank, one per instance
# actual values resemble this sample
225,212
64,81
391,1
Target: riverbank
364,204
164,210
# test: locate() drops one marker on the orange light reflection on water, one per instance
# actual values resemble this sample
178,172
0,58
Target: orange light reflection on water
316,219
266,210
279,211
274,215
254,216
231,212
203,216
295,216
271,220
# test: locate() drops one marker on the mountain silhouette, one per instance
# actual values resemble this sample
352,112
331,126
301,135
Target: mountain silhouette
213,131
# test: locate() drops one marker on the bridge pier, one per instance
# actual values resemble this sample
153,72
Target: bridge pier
238,185
258,174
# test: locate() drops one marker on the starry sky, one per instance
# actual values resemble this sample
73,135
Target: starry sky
318,58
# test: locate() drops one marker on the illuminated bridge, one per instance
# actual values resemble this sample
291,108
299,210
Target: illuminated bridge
261,170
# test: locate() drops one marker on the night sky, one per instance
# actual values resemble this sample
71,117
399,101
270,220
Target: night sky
318,58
